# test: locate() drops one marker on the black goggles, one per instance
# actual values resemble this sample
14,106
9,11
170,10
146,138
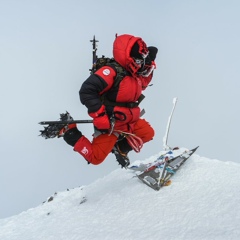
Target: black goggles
141,61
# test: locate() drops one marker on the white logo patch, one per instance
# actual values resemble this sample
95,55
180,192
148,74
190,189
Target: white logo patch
106,72
84,151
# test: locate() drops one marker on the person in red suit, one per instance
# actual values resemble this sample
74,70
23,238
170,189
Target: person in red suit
116,116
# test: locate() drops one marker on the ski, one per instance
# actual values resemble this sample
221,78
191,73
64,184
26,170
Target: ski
158,176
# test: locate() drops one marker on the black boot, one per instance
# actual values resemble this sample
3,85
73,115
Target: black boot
121,150
71,136
123,147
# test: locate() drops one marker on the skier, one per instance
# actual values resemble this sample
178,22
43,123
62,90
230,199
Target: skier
114,109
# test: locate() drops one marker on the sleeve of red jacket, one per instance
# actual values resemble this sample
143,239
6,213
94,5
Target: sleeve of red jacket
94,86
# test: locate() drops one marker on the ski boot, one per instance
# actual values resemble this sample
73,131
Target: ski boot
121,150
122,158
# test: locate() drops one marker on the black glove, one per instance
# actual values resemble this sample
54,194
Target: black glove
152,52
151,56
72,136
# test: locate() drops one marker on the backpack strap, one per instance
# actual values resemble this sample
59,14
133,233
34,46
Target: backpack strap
121,73
123,104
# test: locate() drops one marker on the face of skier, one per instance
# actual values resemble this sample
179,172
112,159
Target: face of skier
139,53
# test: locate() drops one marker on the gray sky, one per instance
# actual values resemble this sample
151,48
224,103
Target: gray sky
45,55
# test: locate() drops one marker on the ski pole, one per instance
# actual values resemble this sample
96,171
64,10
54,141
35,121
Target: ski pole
165,138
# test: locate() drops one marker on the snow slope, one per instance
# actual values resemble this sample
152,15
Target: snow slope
201,203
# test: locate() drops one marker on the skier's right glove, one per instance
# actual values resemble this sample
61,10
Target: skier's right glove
100,119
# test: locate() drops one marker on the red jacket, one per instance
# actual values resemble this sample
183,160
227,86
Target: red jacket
129,89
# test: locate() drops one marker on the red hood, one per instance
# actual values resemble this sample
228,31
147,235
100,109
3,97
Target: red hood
122,47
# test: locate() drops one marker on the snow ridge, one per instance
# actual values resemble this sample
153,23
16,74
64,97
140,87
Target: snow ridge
201,203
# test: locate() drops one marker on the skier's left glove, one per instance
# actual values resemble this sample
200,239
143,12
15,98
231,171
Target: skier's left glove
100,119
152,53
149,62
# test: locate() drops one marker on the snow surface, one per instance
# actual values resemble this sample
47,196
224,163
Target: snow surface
201,203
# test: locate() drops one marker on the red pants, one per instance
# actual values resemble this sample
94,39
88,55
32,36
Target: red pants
103,144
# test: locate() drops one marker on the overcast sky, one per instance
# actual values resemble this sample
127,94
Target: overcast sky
45,55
